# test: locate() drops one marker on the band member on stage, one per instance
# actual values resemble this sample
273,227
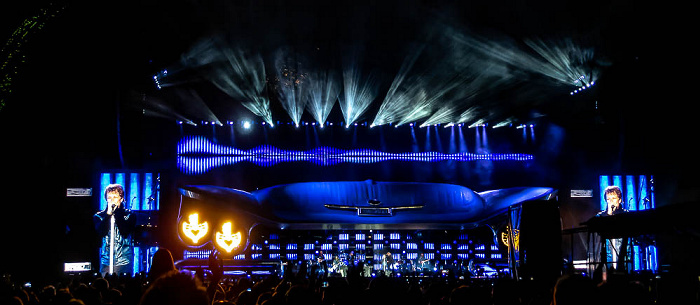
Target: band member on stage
613,197
115,225
388,262
421,262
613,251
338,267
355,266
322,264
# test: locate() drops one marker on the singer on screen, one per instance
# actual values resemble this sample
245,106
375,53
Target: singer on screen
115,225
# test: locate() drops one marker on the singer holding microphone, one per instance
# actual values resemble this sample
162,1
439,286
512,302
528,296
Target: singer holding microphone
115,225
613,251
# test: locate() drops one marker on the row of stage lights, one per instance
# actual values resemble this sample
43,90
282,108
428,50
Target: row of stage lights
582,88
250,124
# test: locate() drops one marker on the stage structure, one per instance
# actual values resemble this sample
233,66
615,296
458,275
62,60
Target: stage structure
292,223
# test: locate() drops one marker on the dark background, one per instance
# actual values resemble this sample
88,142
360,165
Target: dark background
74,110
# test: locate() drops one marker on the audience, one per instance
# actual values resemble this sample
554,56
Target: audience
161,263
175,288
166,285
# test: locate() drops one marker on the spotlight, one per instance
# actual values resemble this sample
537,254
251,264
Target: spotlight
246,124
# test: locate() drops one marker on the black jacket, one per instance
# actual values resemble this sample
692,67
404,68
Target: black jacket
124,223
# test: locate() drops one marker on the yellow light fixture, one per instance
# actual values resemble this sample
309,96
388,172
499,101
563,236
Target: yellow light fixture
226,239
194,230
516,238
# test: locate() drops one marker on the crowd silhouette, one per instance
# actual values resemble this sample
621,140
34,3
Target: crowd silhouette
164,284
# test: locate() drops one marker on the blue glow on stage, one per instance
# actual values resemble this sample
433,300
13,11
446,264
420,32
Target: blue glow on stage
198,155
133,192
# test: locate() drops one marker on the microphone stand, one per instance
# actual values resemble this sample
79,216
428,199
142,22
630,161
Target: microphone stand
111,243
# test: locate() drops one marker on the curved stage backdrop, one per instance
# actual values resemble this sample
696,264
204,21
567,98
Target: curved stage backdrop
298,163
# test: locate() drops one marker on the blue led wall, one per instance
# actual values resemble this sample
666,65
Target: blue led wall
445,249
142,194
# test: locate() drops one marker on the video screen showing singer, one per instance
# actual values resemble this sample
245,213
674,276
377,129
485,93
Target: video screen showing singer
613,251
115,225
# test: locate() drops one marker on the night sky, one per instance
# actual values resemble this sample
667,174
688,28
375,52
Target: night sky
76,105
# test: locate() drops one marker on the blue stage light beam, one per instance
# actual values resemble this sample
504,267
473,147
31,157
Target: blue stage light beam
238,72
462,140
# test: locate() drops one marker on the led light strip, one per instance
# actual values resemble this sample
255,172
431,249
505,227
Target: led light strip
197,155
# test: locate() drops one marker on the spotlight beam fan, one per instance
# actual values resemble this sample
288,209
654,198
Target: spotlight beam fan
563,63
291,83
409,100
357,94
238,73
323,92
